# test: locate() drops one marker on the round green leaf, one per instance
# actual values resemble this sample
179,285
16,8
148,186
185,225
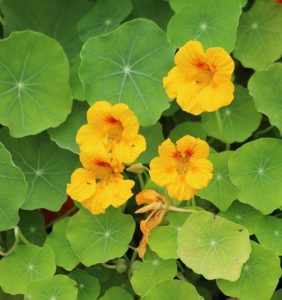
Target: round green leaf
64,135
88,286
116,293
58,242
123,67
173,290
34,83
154,137
266,88
192,128
220,191
239,120
256,169
259,38
269,233
13,189
214,23
151,272
97,239
105,16
59,287
167,235
32,225
25,265
213,246
259,277
46,167
55,18
243,214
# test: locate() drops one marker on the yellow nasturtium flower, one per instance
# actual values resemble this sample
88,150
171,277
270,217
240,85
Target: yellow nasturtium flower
99,183
182,168
115,127
200,80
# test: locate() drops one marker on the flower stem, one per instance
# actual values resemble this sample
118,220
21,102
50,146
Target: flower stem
263,131
219,122
179,209
141,181
67,213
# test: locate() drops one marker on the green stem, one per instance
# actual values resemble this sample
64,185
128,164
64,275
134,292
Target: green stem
193,201
181,276
112,267
219,121
141,181
227,147
2,21
14,246
263,131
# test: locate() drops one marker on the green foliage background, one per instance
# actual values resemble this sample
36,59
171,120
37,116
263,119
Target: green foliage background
57,57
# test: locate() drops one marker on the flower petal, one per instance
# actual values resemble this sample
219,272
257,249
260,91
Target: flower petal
162,170
82,186
180,190
199,173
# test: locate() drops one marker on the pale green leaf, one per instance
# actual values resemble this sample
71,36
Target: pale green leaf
213,246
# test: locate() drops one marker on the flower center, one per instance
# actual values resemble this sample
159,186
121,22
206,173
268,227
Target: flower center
204,74
115,129
183,160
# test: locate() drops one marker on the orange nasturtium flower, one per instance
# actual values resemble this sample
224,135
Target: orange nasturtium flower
115,127
182,168
200,80
99,183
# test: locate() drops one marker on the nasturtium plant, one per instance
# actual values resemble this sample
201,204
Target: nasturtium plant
140,149
28,263
215,247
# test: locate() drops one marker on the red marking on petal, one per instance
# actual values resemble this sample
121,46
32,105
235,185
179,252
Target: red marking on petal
110,119
189,152
101,164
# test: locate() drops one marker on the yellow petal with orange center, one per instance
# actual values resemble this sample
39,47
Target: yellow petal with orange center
187,55
193,147
128,120
199,173
82,186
